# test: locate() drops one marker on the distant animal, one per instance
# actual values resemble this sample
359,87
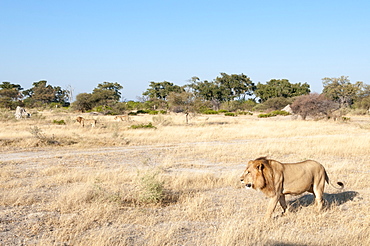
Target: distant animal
21,113
84,121
277,179
121,118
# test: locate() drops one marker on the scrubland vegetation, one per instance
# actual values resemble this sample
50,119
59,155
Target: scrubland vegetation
175,183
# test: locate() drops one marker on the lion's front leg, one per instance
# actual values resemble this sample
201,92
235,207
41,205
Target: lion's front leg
271,207
283,203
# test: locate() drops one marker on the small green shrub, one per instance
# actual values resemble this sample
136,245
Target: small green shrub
273,113
153,112
210,112
59,122
102,109
142,111
230,114
280,112
244,113
149,125
150,188
223,111
132,113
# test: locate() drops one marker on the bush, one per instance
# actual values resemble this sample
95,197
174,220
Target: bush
209,111
143,111
230,114
244,113
150,188
149,125
315,105
153,112
59,122
273,113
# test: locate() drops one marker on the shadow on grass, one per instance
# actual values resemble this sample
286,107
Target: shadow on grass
330,200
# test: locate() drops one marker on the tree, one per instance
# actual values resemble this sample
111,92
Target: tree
161,90
9,94
362,101
110,90
41,93
280,88
208,91
106,94
84,102
223,89
314,105
235,86
341,90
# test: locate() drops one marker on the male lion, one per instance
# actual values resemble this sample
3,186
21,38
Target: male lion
84,121
277,179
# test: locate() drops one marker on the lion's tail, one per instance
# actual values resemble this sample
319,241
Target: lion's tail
340,184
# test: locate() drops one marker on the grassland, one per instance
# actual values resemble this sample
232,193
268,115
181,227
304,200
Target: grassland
177,183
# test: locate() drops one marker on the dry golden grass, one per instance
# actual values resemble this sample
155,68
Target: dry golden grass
70,185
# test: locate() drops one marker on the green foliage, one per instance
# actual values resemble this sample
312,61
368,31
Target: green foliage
84,102
341,90
223,89
59,122
273,113
280,88
209,111
132,105
145,126
105,95
161,90
230,114
9,95
143,111
150,190
41,94
153,112
244,113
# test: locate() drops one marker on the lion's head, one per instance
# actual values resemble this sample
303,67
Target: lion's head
259,175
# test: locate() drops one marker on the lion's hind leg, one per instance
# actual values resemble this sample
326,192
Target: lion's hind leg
318,191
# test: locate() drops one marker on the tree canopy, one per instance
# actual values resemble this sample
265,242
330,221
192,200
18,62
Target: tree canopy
105,94
41,93
9,94
280,88
161,90
224,88
341,90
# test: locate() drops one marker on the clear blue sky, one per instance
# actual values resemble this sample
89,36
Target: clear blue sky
84,43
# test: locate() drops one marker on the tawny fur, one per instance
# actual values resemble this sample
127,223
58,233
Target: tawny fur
277,179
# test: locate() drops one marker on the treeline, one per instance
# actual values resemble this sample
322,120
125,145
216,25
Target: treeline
230,92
